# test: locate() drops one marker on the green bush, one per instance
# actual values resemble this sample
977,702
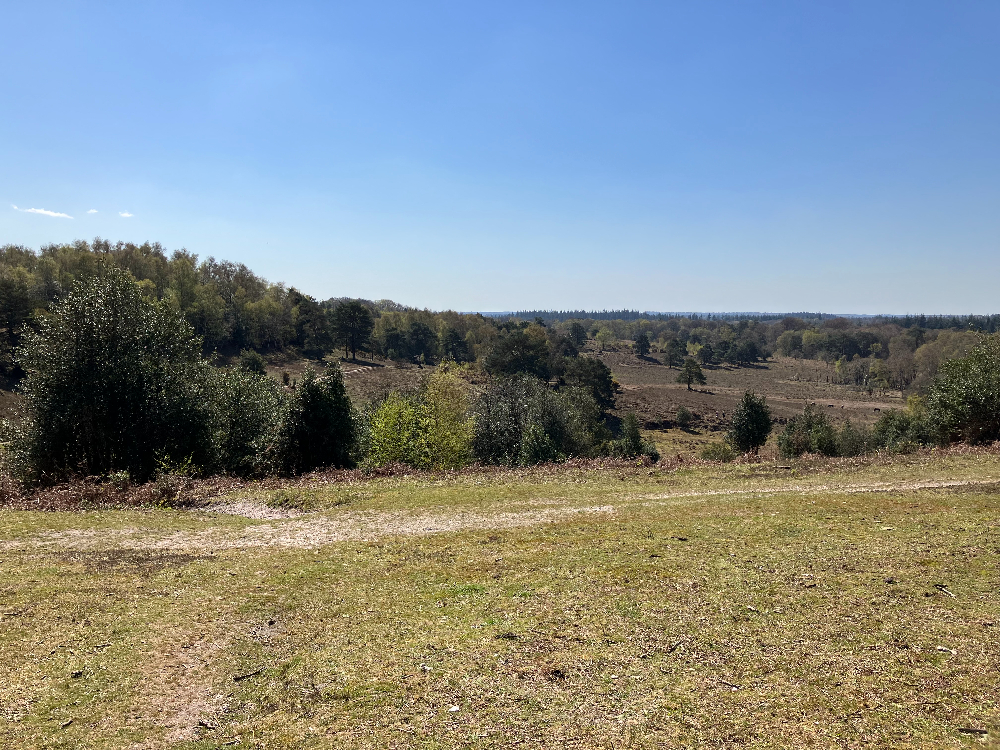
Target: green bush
316,428
901,431
684,417
394,430
114,382
963,402
721,451
512,413
751,423
430,430
854,441
449,427
631,444
247,410
811,432
251,361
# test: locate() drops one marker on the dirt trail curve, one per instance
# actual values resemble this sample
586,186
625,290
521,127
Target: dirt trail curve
281,529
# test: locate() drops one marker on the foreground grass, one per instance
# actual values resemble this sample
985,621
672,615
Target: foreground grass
789,609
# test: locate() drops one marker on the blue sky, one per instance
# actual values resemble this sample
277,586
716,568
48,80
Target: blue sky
661,156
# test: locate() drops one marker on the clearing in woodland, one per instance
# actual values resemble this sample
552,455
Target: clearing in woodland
838,603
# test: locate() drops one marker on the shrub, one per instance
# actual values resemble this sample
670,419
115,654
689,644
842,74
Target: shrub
449,425
512,413
431,430
113,381
537,447
247,409
394,432
963,402
684,418
853,441
316,428
721,451
811,432
251,361
751,423
631,444
900,431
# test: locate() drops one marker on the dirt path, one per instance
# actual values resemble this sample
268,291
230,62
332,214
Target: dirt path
283,529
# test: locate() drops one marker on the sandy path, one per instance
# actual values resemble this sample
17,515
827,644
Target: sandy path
284,529
308,531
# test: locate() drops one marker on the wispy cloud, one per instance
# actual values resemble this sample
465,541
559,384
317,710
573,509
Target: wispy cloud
92,211
124,214
41,211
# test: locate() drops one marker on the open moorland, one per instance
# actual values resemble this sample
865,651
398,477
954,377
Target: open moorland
650,389
833,603
483,532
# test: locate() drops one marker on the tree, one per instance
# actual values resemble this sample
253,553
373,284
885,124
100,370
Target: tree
16,302
578,333
604,338
963,403
743,352
420,341
114,382
595,376
751,423
353,323
317,428
16,305
312,328
675,353
641,344
706,355
691,373
517,352
453,346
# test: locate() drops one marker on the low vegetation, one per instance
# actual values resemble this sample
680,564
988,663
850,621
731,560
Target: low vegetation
845,603
115,381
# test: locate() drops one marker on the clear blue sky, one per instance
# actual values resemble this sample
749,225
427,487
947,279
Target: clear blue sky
831,156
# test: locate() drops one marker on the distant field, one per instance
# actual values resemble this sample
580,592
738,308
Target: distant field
836,604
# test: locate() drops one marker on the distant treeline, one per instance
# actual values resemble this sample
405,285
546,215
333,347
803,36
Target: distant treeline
632,315
230,307
982,323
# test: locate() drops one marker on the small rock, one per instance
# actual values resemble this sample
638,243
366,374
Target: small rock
453,709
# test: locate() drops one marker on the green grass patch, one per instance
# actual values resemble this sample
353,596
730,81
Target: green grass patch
731,605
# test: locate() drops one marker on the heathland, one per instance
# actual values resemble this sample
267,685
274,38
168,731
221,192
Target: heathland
233,515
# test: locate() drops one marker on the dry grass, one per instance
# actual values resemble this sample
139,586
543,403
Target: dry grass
834,604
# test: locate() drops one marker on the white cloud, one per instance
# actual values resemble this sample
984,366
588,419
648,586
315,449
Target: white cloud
92,211
41,211
124,214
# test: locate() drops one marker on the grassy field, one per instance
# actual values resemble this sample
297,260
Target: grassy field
833,604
